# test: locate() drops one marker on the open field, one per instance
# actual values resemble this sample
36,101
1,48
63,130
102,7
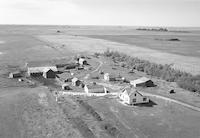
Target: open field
187,46
84,44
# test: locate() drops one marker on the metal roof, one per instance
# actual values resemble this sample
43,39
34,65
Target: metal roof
141,80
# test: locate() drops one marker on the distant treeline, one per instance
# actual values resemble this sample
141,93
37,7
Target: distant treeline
165,72
153,29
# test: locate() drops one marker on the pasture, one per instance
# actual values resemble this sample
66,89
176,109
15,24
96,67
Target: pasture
187,46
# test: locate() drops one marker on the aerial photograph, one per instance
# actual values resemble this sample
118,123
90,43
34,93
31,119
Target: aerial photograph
99,68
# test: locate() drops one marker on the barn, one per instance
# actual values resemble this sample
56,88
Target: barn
131,96
37,68
49,73
142,82
94,88
15,74
109,77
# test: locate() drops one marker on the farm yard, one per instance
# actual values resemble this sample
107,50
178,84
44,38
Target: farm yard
75,91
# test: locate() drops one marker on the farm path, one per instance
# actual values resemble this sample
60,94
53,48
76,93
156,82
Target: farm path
98,67
172,100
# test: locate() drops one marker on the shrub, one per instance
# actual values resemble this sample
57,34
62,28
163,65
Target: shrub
166,72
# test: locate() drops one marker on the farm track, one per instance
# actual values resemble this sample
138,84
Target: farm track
172,100
98,67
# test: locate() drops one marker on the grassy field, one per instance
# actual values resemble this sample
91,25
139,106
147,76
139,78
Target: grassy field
163,120
91,45
187,46
32,113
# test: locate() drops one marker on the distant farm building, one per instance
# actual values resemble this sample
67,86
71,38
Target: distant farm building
37,68
68,79
76,82
94,88
82,61
15,74
71,66
48,73
131,96
142,82
109,77
65,87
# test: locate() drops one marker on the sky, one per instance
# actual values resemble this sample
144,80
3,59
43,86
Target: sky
178,13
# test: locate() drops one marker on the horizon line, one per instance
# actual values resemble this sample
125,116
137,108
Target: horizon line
99,25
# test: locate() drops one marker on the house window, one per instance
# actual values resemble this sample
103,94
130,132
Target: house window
144,99
134,100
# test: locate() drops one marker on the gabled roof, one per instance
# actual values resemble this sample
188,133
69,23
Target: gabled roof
75,79
110,75
15,72
82,59
40,64
95,86
131,91
141,80
47,69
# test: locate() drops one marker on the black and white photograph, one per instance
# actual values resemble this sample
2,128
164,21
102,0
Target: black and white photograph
99,68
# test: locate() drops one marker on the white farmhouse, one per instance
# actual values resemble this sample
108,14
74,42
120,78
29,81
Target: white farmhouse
131,96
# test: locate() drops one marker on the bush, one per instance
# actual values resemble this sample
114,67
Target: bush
166,72
110,129
90,110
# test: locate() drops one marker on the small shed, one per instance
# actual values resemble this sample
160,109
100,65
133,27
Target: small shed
49,73
76,82
131,96
15,74
82,61
109,77
65,87
94,88
142,82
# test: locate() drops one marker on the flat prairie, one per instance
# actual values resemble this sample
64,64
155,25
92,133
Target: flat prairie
84,44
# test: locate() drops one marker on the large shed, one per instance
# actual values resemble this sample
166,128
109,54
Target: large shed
37,68
142,82
94,88
132,96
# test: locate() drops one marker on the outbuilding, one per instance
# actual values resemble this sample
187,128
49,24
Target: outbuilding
76,82
142,82
71,66
65,87
15,74
132,96
82,61
94,88
48,73
109,77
